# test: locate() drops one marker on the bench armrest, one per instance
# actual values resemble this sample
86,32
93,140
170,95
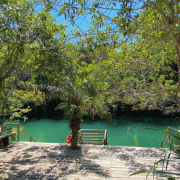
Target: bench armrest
7,135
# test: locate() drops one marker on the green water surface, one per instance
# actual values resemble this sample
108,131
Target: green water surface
126,131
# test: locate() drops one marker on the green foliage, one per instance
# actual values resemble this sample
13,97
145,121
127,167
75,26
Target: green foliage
152,170
148,77
83,85
29,92
25,40
98,70
173,138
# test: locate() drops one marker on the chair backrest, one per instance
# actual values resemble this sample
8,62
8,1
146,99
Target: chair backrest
4,128
93,136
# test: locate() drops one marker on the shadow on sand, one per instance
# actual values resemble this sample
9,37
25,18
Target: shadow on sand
48,162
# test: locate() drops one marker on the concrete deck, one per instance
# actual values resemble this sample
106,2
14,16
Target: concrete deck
27,160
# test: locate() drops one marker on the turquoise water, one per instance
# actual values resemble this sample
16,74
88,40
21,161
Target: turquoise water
124,132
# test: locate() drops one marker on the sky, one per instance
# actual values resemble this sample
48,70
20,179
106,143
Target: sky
83,23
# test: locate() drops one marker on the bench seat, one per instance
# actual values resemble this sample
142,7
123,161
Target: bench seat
93,136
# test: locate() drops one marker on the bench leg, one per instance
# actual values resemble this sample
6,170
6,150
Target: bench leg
105,142
5,141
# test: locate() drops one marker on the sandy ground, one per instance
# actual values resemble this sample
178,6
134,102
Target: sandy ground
28,160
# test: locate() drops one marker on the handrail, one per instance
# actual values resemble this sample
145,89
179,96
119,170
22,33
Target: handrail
174,129
31,138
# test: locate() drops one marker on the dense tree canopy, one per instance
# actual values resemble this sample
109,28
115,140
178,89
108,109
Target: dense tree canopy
24,37
152,29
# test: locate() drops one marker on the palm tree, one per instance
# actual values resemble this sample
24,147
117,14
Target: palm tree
80,97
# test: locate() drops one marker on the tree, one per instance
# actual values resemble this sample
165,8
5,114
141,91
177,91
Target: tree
154,52
14,38
24,36
79,85
128,18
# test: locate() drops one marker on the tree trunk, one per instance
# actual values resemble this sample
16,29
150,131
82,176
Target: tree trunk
75,126
3,114
178,83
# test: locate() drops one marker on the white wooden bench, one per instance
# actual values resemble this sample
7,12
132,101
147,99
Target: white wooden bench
93,136
5,138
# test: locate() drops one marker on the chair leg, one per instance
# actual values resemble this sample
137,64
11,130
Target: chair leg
5,141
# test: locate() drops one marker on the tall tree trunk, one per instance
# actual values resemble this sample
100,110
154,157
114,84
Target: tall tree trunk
3,114
178,83
75,126
173,31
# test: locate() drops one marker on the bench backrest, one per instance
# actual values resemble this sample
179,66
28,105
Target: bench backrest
4,128
93,136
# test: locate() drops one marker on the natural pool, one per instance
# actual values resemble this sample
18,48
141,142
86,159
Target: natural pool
126,131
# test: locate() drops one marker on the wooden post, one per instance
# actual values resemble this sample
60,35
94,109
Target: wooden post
105,137
18,133
81,136
169,138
